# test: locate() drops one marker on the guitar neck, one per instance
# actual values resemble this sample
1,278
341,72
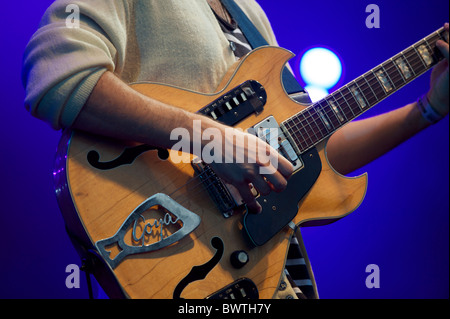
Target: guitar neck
320,120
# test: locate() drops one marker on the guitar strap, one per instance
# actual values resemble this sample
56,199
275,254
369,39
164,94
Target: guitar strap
256,40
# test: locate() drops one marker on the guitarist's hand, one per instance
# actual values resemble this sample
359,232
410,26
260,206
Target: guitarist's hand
249,160
438,95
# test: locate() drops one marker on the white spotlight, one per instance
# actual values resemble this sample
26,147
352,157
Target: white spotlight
320,67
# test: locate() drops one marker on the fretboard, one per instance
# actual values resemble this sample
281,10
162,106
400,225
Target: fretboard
320,120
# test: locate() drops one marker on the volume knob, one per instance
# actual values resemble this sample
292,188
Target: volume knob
239,259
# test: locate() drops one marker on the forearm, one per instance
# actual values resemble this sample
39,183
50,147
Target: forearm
361,142
116,110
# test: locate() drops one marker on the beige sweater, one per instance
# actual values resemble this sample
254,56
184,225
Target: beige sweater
177,42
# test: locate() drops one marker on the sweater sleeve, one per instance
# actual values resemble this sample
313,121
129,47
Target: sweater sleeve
62,65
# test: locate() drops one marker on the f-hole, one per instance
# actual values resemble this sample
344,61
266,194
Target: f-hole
200,272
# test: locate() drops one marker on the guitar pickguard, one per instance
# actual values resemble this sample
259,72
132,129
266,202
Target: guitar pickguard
278,210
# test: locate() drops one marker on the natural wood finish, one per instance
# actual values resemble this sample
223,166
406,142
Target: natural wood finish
104,199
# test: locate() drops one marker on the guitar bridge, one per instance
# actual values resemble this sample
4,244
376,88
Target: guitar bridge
225,196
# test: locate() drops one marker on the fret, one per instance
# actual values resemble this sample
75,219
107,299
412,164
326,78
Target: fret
300,136
408,62
336,110
324,117
309,126
309,129
404,68
341,92
371,97
346,108
331,115
357,95
398,70
421,67
320,130
394,74
350,100
324,120
309,123
425,54
430,49
292,128
349,97
319,123
302,129
298,139
383,77
376,85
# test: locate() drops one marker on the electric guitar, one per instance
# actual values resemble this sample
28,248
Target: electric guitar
155,228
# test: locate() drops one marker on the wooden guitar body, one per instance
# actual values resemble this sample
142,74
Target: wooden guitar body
96,201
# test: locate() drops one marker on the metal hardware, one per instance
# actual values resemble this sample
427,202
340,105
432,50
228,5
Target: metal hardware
270,131
238,103
177,215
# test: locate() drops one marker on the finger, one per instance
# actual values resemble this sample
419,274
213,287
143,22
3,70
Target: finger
285,167
249,199
261,185
277,181
271,162
442,45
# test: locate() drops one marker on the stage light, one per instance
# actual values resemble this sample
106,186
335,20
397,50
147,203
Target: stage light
316,93
320,69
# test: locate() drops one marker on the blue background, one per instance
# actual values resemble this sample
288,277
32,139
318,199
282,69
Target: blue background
402,226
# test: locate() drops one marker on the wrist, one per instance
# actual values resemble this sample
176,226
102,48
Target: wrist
428,112
208,134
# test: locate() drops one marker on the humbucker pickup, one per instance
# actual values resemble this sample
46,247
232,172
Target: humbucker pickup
241,289
270,131
238,103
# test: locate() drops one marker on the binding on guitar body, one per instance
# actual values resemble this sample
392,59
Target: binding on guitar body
159,229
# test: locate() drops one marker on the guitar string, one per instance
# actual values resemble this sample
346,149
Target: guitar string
348,100
349,109
395,78
202,182
410,55
350,105
353,105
